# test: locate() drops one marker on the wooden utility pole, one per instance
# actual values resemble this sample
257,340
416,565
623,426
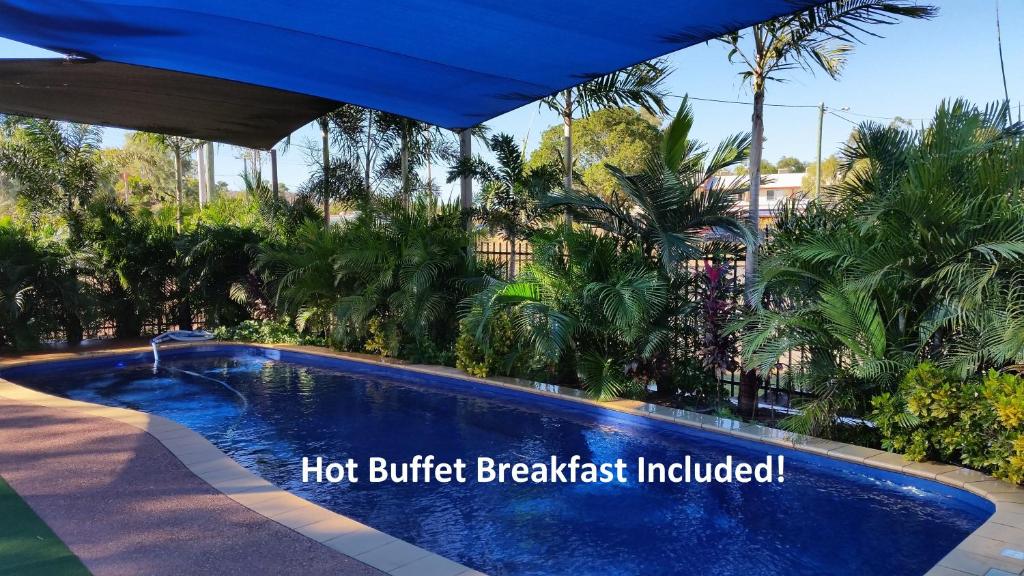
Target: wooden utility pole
821,123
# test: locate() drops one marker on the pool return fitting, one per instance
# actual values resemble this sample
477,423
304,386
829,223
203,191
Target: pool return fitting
178,336
191,336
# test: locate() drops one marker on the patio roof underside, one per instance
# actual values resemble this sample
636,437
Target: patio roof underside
452,63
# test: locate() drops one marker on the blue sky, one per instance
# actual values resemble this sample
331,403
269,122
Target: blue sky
906,73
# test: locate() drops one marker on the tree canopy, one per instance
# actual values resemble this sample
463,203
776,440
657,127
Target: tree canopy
623,137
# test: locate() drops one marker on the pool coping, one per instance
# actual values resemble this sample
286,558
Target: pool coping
996,548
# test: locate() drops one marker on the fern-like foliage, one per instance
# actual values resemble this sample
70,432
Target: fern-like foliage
916,253
671,206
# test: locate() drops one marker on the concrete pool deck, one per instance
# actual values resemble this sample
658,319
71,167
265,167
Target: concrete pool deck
994,549
125,505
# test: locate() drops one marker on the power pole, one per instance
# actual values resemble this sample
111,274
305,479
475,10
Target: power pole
817,176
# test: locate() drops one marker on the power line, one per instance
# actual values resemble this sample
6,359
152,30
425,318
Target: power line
843,118
873,117
747,103
722,101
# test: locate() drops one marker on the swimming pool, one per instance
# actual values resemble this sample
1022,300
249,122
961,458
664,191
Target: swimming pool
268,409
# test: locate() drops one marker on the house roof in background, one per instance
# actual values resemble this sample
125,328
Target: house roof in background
452,63
784,180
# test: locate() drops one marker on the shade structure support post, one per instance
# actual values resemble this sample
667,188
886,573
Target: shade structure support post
211,181
273,174
203,194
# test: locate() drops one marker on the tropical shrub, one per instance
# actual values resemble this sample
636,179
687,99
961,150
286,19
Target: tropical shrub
510,190
213,263
912,256
586,305
387,282
279,331
41,294
495,350
134,265
20,272
608,306
299,270
405,265
978,422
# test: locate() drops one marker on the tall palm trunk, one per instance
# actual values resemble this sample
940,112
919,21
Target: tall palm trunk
512,256
74,332
177,189
405,162
749,382
567,142
567,138
430,166
369,158
325,146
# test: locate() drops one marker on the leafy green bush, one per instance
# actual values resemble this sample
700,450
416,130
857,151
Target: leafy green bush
40,291
976,422
602,305
489,352
382,337
914,254
280,331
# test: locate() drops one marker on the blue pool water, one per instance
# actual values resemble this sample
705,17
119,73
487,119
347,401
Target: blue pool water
828,517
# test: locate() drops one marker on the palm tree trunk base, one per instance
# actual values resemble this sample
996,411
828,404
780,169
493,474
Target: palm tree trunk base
749,385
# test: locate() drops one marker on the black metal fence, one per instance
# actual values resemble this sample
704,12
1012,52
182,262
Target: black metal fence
503,253
106,328
779,387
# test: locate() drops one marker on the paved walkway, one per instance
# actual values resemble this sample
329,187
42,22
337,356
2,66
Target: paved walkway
127,506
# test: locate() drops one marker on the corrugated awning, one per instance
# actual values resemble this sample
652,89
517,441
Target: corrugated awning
452,63
161,101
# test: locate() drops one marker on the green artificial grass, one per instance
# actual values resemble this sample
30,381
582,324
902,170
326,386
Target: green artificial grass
27,545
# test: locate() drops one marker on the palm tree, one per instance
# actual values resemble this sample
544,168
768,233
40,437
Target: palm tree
817,38
675,202
300,274
596,303
181,147
403,266
587,306
325,150
914,255
57,165
510,190
639,85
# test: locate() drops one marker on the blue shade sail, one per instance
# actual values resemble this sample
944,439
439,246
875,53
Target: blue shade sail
452,63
